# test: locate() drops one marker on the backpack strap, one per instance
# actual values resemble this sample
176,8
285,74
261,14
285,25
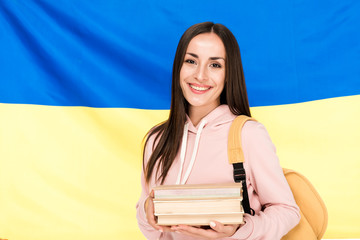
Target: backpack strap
236,157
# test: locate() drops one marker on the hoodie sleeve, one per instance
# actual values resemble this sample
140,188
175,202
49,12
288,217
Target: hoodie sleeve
278,213
148,231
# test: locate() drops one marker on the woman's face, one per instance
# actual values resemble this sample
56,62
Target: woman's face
202,74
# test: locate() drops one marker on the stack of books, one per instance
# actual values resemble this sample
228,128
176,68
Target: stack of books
198,204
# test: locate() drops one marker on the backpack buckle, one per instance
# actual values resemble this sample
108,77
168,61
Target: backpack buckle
239,172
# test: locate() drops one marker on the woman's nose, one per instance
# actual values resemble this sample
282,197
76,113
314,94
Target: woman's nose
201,73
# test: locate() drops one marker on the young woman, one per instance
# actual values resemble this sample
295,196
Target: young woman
208,92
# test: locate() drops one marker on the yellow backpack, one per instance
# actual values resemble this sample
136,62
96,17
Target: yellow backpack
313,211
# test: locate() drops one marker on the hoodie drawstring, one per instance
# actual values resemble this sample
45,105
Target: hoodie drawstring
183,151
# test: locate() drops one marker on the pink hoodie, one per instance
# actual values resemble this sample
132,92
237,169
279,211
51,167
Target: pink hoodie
269,194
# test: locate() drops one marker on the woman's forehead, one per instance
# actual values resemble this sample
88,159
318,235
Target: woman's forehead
207,44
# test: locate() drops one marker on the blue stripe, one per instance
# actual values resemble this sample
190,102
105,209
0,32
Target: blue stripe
119,53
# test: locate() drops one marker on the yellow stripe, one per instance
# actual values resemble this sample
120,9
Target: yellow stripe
70,172
74,172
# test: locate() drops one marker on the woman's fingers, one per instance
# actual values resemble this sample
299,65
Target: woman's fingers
151,218
227,230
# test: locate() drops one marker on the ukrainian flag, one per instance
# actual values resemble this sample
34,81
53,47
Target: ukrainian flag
82,82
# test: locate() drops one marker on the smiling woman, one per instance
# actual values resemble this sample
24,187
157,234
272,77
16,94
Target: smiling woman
190,147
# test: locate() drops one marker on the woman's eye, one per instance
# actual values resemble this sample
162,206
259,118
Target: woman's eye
190,61
215,65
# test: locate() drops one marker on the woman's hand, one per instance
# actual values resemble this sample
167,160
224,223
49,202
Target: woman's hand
218,230
149,210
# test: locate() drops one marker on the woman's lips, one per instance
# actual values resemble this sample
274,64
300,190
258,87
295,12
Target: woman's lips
199,88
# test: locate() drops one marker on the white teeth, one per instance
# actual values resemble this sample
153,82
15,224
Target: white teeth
199,88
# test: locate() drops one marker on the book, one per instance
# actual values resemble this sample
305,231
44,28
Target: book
198,191
198,204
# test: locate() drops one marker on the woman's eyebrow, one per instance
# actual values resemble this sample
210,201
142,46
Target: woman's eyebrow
216,58
193,54
211,58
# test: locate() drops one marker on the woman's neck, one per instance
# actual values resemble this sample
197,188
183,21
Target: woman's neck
198,113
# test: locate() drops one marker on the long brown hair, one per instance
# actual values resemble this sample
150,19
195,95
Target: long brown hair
169,134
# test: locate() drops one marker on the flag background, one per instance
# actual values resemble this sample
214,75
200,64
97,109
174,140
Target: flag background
81,84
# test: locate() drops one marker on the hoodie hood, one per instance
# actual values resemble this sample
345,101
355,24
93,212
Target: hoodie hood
215,118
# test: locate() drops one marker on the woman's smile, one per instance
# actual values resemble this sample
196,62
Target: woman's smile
199,89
